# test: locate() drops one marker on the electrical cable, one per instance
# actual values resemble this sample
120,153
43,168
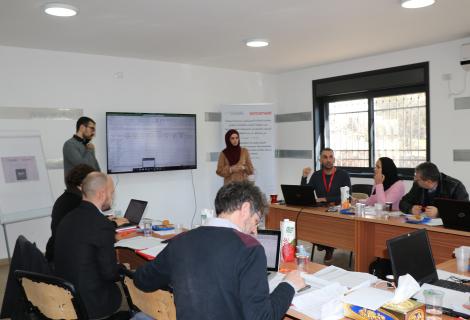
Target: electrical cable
451,93
195,200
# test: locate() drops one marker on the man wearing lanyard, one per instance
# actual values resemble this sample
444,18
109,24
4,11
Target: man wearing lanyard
327,183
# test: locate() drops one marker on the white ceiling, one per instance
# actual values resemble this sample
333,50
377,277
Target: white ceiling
211,32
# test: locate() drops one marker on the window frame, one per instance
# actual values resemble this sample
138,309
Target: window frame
320,115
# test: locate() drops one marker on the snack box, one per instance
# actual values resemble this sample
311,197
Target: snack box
407,310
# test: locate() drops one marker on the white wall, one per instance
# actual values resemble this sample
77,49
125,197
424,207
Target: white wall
39,78
449,128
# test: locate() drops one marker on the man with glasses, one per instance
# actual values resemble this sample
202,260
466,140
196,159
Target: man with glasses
429,184
79,149
218,271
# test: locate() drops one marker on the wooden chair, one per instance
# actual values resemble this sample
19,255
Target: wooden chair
50,296
158,304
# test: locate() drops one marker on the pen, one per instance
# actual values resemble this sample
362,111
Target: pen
304,288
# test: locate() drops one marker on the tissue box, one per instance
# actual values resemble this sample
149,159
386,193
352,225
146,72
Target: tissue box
408,310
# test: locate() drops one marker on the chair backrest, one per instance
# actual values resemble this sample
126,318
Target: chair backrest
53,297
158,304
361,188
359,195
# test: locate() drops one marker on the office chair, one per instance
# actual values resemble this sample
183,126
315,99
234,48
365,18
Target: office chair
158,304
49,296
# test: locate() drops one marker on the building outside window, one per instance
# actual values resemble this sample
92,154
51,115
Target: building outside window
375,121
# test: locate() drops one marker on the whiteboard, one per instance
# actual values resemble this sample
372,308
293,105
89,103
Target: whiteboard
24,181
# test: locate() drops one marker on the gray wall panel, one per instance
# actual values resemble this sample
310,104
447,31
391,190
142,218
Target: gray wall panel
40,113
461,155
293,117
213,116
462,103
294,154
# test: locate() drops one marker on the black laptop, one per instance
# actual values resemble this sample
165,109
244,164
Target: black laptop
411,253
271,242
455,214
298,195
134,213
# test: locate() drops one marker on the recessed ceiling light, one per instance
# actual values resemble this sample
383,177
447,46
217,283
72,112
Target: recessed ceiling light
60,9
413,4
257,43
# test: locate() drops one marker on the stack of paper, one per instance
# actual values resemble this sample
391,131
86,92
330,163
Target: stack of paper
454,300
138,243
368,297
350,279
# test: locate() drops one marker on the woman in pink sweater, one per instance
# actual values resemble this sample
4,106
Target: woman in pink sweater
387,186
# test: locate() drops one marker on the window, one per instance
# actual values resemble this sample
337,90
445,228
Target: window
366,116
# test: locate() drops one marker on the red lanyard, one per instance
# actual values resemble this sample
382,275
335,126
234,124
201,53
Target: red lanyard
327,188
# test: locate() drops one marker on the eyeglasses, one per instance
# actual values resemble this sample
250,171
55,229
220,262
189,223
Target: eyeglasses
91,128
259,218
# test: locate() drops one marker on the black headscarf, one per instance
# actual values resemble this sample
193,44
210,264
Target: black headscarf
232,152
389,170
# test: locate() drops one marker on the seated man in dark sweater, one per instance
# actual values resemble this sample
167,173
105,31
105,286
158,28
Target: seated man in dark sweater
327,183
430,184
218,271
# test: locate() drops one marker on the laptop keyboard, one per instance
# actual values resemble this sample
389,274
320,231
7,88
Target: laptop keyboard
452,285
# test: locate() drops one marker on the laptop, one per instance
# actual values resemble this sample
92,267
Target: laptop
411,253
298,195
271,242
455,214
134,213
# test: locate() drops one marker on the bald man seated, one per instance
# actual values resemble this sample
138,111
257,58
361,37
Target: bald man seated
84,248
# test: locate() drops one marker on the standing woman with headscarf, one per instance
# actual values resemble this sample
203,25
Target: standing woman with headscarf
234,161
387,186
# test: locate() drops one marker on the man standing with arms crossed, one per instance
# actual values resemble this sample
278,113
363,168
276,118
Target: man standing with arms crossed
79,149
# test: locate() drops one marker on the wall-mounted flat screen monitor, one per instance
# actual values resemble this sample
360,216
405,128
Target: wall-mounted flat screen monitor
143,142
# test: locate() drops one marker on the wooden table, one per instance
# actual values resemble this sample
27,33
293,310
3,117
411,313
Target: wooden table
365,236
126,255
129,256
450,266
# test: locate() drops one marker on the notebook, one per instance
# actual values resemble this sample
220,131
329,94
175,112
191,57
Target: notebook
411,253
271,242
134,213
455,214
298,195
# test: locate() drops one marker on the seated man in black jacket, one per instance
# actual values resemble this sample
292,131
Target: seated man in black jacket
84,248
69,200
218,271
430,184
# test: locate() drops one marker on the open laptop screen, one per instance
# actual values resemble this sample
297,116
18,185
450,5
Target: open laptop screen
135,211
411,253
271,241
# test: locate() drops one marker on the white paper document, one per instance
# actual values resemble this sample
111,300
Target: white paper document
435,222
324,303
452,299
350,279
312,281
154,251
444,275
368,297
138,243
